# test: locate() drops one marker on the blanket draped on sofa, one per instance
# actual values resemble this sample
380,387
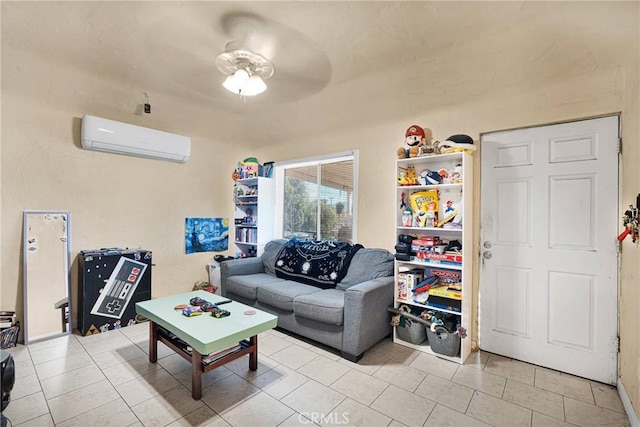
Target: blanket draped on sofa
317,263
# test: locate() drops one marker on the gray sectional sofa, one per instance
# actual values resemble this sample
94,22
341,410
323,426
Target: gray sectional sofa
351,317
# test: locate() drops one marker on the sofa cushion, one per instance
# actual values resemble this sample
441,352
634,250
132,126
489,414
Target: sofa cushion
321,263
326,306
247,285
281,294
271,251
367,264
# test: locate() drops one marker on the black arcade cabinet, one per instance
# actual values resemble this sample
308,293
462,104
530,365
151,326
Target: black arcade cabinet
111,282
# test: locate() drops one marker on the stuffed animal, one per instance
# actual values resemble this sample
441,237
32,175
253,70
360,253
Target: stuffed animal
415,138
237,174
250,167
457,143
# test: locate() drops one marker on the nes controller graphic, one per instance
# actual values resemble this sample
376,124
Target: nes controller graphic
119,289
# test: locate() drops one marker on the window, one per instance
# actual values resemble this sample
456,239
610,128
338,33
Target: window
316,198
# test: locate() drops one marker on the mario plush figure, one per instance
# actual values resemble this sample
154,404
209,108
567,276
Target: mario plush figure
414,138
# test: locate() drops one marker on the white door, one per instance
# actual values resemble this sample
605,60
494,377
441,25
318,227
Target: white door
549,222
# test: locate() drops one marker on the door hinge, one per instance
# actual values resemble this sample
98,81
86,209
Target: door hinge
618,343
619,145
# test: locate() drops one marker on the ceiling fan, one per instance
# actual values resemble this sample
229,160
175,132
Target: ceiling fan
265,52
246,70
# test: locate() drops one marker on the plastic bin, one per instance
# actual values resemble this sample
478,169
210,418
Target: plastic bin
444,342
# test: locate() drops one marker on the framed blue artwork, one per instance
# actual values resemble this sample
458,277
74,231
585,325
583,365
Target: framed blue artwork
206,235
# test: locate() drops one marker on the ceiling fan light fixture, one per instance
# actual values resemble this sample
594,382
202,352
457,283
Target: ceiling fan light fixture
246,71
237,81
254,86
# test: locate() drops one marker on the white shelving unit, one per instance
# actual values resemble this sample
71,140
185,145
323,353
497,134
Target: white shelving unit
257,197
461,194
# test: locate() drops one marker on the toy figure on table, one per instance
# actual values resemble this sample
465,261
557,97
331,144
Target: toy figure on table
248,219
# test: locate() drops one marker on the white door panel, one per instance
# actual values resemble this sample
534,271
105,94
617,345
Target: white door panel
513,301
548,280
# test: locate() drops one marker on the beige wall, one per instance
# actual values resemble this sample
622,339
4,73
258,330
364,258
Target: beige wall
114,200
605,89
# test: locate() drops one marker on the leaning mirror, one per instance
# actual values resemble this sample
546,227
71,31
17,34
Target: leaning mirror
46,271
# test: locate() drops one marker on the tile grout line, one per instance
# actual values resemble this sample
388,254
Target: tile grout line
344,398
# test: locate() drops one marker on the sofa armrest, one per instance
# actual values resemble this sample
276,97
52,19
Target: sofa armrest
366,320
239,267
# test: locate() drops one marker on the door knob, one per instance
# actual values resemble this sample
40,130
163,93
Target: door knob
487,244
487,255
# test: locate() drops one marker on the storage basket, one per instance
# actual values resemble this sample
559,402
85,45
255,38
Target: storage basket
412,328
444,342
9,336
416,333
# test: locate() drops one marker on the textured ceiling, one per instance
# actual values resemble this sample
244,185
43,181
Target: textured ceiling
338,64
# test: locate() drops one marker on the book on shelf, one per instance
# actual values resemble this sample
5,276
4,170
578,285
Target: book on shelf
445,276
446,279
424,205
444,303
6,324
210,358
246,235
407,280
7,319
438,302
433,258
9,336
207,359
443,291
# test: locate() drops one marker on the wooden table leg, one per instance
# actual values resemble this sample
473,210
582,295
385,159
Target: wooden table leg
253,356
153,342
196,375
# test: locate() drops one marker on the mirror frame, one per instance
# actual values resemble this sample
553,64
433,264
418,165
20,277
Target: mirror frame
67,327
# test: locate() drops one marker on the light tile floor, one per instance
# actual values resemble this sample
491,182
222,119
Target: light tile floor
107,380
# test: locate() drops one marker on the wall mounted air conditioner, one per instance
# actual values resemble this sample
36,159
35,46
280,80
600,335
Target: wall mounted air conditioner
122,138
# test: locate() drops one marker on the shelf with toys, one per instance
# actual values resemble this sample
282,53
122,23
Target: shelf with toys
254,198
433,268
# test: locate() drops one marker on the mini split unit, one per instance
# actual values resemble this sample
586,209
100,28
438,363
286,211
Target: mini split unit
122,138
